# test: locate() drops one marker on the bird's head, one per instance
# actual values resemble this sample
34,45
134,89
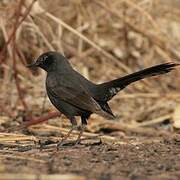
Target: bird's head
50,60
44,61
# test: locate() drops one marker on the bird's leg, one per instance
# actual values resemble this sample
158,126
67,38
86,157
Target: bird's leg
74,126
80,134
83,125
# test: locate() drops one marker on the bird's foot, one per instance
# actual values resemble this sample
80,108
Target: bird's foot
77,142
60,144
41,145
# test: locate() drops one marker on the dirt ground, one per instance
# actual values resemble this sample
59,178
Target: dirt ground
131,158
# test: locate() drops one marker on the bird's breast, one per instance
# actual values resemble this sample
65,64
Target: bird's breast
51,81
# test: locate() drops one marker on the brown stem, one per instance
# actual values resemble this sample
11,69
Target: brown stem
38,120
15,29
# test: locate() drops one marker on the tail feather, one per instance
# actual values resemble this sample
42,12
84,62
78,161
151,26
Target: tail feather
111,88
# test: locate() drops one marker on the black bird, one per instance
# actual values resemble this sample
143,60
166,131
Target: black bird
74,95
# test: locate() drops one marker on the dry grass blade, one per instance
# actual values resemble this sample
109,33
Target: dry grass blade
154,121
8,137
41,177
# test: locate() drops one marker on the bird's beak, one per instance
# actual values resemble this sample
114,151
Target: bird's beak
35,64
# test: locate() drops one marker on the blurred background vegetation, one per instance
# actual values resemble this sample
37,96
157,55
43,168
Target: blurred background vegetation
103,40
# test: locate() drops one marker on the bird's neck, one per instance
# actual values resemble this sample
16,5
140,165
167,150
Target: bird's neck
63,67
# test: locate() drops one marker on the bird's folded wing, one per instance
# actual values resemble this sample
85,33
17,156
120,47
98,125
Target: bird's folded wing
78,97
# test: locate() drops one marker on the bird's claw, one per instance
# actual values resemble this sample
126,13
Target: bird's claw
59,144
77,142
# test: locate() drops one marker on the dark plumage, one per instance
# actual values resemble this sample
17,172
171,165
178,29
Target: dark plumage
74,95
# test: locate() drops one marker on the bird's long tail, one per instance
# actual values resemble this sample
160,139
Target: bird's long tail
111,88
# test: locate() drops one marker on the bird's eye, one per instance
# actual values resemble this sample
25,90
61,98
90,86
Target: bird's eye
45,58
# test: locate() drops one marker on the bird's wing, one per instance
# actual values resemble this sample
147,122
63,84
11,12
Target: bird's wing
75,94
